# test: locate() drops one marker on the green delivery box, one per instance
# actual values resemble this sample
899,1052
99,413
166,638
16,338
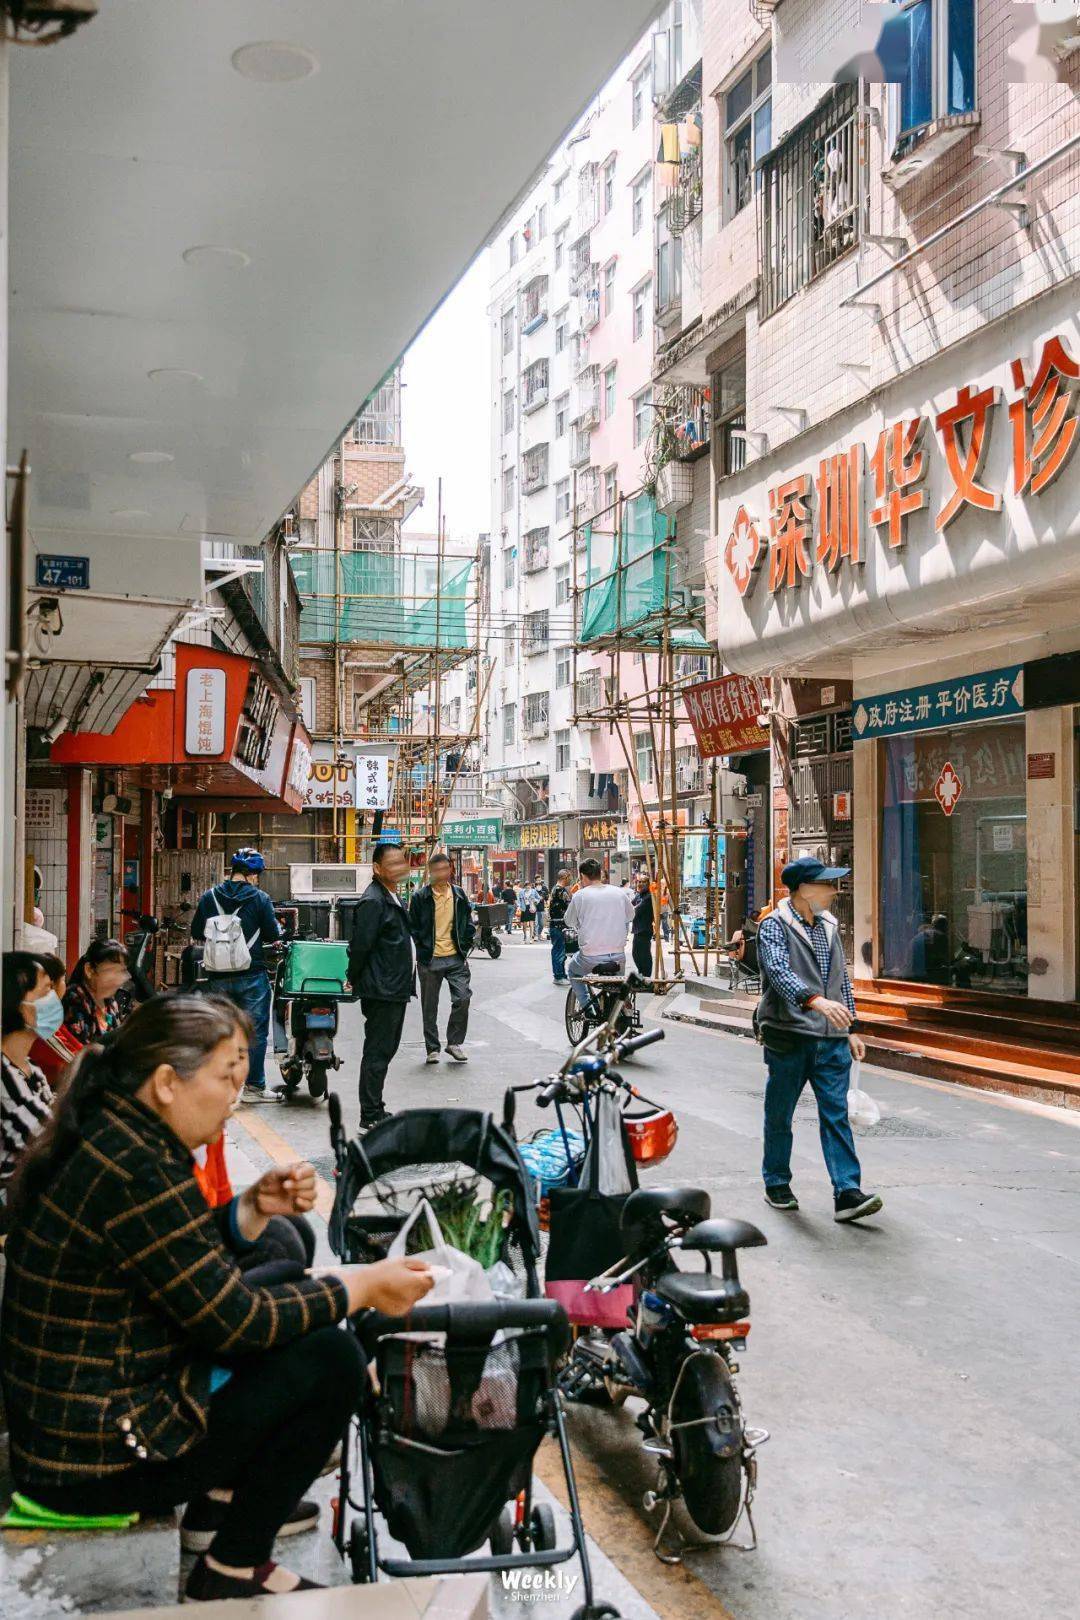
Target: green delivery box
315,967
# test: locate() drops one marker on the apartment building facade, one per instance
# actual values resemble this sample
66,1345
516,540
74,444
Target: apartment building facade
900,522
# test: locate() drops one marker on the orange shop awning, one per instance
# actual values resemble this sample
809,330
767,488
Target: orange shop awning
225,737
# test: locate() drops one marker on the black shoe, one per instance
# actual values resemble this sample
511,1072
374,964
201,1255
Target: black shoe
375,1119
781,1197
207,1585
855,1205
203,1519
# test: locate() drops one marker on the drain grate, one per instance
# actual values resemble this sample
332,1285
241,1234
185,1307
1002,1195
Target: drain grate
890,1125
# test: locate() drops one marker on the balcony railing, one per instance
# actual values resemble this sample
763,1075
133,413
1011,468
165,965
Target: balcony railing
534,469
580,447
579,263
534,382
534,304
589,302
811,200
687,417
684,204
536,637
536,714
588,493
587,213
536,550
587,398
587,696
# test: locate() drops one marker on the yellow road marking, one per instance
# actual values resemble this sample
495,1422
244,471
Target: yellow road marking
673,1591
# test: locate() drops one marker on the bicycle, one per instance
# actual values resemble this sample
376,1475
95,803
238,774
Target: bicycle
613,1003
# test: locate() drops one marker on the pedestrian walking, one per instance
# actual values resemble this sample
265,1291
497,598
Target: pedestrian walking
440,918
805,1020
527,907
382,974
508,896
642,928
599,915
541,904
234,921
558,903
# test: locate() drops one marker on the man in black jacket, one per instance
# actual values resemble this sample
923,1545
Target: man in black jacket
440,917
642,927
558,901
382,974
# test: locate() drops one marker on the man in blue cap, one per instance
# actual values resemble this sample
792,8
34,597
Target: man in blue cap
805,1019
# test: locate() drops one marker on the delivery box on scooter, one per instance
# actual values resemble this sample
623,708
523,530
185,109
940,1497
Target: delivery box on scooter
315,967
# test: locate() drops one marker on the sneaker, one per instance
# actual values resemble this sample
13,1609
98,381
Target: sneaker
203,1519
855,1205
257,1094
376,1119
781,1197
457,1054
206,1585
560,981
432,1057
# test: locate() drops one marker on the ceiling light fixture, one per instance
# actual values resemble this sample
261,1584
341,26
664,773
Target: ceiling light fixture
274,61
171,374
213,256
151,458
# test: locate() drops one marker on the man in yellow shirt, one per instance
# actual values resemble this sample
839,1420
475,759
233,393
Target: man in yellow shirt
440,918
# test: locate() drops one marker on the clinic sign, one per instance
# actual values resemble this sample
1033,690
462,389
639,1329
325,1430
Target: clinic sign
481,832
915,477
993,695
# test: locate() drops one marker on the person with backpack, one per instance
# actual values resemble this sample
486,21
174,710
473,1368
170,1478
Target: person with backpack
234,920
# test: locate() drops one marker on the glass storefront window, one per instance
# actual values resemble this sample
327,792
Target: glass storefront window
954,886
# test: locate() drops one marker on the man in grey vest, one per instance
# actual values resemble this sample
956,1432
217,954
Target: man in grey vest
805,1019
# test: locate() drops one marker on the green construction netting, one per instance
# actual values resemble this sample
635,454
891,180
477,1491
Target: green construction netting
630,597
383,599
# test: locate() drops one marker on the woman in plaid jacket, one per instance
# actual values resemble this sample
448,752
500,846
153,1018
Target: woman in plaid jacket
140,1370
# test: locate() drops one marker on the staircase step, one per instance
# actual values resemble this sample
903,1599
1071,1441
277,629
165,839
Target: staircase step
1019,1022
1017,1078
990,1048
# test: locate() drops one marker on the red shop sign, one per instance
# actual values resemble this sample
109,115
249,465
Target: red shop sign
724,715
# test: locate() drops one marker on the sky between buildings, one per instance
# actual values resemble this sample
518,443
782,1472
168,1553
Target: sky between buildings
445,408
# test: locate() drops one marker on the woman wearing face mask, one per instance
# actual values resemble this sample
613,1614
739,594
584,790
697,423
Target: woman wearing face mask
31,1009
90,1006
56,1048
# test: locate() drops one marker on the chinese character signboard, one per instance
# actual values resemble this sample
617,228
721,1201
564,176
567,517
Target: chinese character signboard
539,835
204,722
1040,767
991,695
481,832
372,782
919,489
600,832
351,781
724,715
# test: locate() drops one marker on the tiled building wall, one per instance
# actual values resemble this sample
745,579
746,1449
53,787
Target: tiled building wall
977,274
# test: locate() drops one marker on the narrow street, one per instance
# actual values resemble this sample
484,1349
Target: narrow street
916,1373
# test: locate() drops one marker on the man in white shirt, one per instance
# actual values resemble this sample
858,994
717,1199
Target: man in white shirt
600,916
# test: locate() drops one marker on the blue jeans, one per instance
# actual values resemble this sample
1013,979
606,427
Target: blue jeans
580,964
558,951
826,1065
251,991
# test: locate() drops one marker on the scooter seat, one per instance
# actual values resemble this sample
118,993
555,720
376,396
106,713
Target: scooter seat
646,1206
699,1296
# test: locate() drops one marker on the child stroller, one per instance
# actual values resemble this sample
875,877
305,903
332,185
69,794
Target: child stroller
465,1392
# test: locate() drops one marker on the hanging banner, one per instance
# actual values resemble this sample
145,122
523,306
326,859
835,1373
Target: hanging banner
724,714
354,780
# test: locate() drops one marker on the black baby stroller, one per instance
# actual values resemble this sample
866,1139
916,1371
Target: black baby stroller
465,1392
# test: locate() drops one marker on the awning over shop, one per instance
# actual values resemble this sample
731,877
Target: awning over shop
224,736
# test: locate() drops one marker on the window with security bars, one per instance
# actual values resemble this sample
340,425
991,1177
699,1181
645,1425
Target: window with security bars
562,750
562,584
374,533
563,661
811,200
810,737
536,712
380,420
729,416
536,632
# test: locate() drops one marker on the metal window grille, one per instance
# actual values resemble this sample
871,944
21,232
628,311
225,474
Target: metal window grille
380,420
811,200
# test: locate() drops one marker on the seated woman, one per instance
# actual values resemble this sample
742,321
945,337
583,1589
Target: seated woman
140,1369
91,1008
55,1047
31,1008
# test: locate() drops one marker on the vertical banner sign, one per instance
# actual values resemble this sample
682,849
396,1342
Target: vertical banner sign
372,782
204,719
724,715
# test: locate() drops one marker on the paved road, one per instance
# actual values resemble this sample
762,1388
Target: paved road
917,1374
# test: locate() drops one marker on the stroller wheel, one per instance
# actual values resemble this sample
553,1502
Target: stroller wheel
358,1553
502,1533
542,1528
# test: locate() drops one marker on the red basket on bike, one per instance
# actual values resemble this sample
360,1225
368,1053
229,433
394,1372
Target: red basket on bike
652,1134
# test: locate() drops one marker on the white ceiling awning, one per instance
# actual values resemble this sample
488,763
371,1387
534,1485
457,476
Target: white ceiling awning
229,221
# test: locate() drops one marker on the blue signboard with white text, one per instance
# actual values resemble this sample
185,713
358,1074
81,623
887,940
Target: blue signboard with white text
993,694
57,573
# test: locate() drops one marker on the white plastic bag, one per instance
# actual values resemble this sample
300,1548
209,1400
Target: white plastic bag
862,1110
464,1278
612,1173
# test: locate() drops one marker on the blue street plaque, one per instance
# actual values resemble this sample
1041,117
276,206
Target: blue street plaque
991,695
62,573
